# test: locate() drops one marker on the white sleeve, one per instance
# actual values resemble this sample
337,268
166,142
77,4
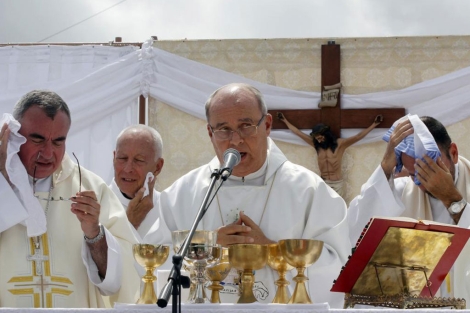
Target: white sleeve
112,282
464,221
12,211
379,197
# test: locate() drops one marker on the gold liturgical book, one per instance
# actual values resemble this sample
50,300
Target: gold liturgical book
401,263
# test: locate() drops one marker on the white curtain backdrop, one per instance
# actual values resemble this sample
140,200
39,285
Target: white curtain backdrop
101,85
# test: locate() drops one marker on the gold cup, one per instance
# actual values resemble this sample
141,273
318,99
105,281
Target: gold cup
201,251
300,253
247,257
277,262
150,257
218,273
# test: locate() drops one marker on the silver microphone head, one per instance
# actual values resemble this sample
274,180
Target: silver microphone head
231,159
230,152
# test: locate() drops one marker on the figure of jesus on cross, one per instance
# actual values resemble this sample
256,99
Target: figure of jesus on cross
330,149
326,123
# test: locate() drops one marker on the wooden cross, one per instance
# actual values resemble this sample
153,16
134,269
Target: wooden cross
335,117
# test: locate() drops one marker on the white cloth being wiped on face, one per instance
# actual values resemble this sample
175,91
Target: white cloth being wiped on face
416,145
28,211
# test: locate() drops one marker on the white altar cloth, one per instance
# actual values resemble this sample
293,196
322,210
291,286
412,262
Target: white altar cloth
229,308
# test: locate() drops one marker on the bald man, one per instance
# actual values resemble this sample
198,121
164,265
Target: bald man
137,162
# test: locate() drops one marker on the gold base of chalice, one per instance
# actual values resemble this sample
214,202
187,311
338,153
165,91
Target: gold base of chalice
279,264
218,273
150,257
300,253
247,257
202,251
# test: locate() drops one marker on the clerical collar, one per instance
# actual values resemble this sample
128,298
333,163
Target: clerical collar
254,179
42,184
125,196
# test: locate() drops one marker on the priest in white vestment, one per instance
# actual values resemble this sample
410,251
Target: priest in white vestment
266,199
65,241
137,161
437,189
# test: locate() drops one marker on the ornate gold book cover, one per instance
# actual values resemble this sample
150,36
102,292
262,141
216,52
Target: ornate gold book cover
401,256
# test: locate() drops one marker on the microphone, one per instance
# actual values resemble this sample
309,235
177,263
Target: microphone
231,159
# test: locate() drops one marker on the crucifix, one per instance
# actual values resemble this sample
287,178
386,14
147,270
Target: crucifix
335,117
37,257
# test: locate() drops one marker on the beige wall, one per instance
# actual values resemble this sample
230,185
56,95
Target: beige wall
368,65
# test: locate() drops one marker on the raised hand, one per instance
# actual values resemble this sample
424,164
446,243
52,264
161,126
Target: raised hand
87,209
400,132
378,119
436,178
138,208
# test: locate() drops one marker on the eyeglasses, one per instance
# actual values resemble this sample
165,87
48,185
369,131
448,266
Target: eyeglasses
243,132
59,198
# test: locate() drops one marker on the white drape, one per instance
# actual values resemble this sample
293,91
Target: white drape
102,98
102,84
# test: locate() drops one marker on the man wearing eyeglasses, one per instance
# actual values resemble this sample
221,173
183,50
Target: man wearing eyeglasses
64,237
266,199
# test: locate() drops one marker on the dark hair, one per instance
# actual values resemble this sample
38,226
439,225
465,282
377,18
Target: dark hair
439,133
48,101
331,142
319,129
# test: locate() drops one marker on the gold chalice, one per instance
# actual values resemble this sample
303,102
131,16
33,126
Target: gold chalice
217,273
300,253
247,257
277,262
150,257
200,253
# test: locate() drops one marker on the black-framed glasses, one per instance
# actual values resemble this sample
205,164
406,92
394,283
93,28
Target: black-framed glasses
59,198
243,132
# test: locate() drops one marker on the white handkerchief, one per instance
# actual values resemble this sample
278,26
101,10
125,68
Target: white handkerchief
36,221
418,144
146,183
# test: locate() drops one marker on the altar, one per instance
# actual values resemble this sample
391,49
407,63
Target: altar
229,308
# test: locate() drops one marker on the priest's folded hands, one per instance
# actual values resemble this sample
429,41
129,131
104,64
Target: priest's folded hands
243,230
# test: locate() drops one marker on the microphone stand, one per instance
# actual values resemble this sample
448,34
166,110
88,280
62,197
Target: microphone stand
173,286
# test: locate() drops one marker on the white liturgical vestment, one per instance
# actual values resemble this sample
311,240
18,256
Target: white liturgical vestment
401,197
286,200
65,276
